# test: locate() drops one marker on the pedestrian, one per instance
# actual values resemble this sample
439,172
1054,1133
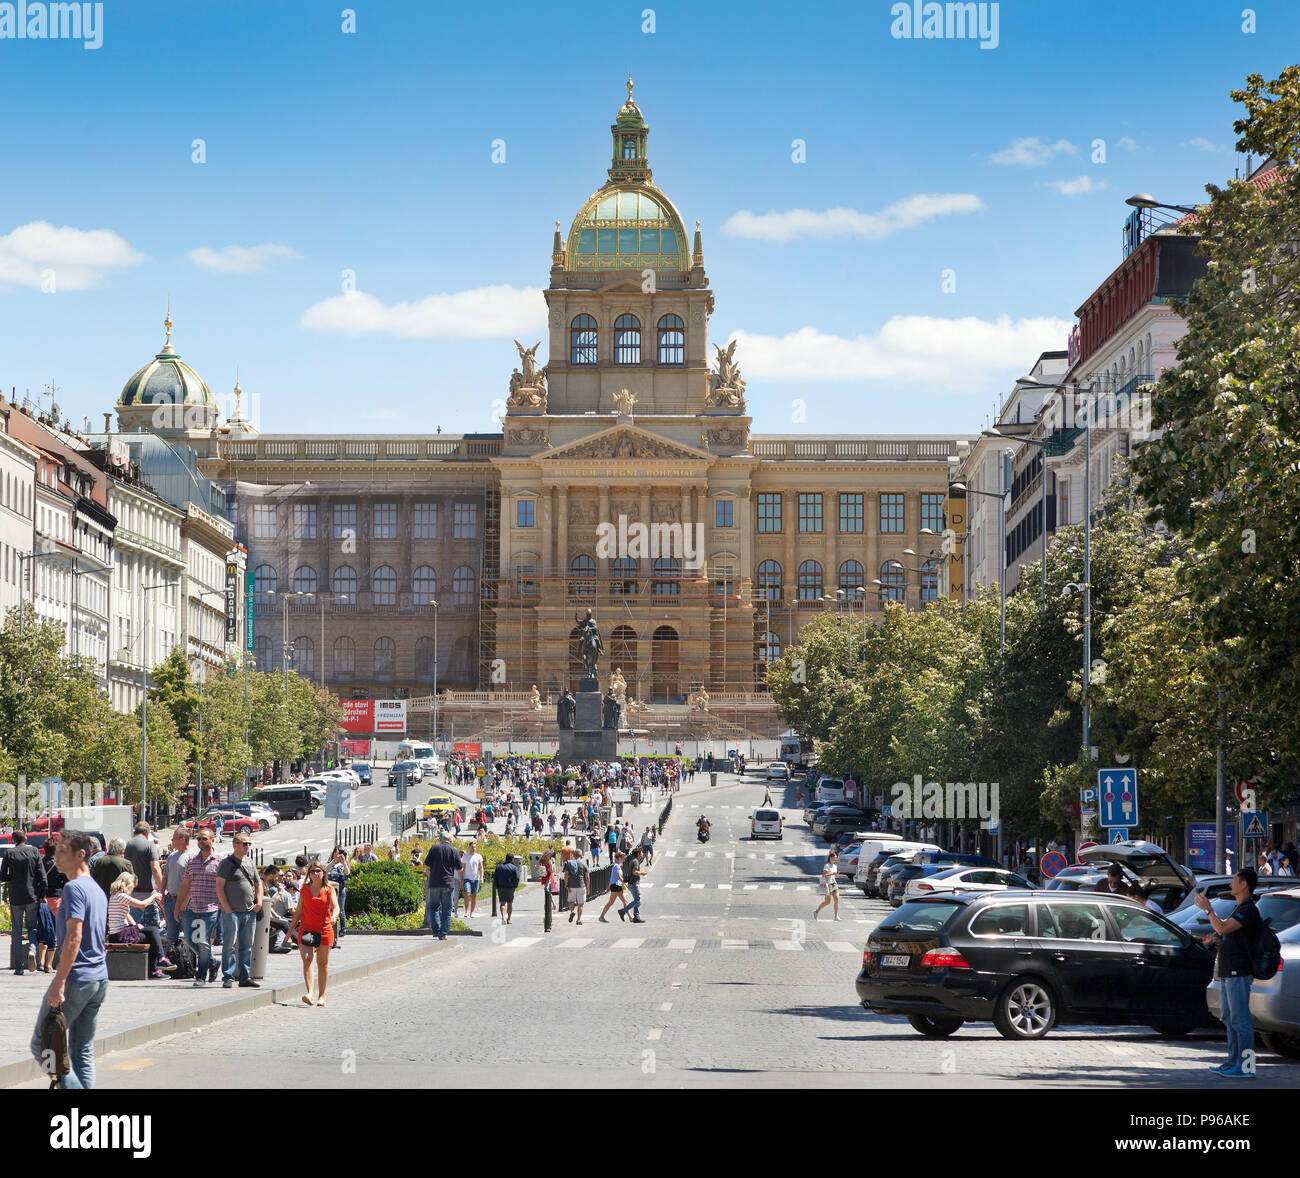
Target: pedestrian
615,885
146,865
505,879
240,893
611,838
174,865
395,851
633,870
1235,970
473,877
830,884
648,846
108,866
577,879
550,889
81,981
443,862
338,871
24,872
1263,866
1285,866
197,900
124,929
313,921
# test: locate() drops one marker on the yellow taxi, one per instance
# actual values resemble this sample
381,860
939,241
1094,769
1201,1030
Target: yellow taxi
438,804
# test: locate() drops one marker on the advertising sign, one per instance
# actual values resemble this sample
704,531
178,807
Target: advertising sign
358,715
1200,843
470,749
249,613
355,748
232,601
390,715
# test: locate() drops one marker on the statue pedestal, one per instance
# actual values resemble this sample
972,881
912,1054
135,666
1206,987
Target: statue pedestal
587,740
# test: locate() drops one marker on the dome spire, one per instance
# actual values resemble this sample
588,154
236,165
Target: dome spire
630,132
167,349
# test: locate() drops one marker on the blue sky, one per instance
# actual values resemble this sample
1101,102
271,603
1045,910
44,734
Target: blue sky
372,152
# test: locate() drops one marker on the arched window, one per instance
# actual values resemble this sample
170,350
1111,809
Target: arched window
623,577
627,340
304,656
345,658
384,583
851,578
582,340
582,570
667,582
672,340
424,581
930,581
769,581
810,580
304,579
629,148
891,581
262,653
462,586
424,660
265,582
623,654
526,575
344,583
664,684
385,660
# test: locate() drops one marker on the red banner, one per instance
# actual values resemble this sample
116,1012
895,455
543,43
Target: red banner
355,748
469,749
358,715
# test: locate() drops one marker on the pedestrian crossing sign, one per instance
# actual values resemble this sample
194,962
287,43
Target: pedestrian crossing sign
1255,828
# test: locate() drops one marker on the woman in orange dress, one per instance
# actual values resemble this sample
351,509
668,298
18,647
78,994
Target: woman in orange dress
313,921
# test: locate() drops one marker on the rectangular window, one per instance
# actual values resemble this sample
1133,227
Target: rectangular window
932,512
724,580
769,511
851,513
385,517
464,521
722,514
345,521
264,521
426,521
524,513
810,511
304,521
891,512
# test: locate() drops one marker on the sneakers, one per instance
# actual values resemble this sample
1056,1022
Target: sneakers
200,983
637,920
1237,1073
213,970
250,985
817,914
572,915
157,974
622,914
837,918
228,983
602,920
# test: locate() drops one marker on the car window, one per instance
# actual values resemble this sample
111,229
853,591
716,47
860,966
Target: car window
1283,911
981,877
767,816
1072,922
920,916
1006,920
1011,879
1137,924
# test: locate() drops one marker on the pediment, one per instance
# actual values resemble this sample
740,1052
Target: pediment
627,442
627,284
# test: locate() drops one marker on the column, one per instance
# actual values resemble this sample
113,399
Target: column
645,564
602,561
830,530
745,526
790,521
562,532
545,516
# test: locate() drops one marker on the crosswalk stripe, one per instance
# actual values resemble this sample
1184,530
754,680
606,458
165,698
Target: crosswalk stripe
803,888
671,885
724,887
628,942
520,942
841,947
691,854
790,946
697,887
751,887
688,945
576,942
776,887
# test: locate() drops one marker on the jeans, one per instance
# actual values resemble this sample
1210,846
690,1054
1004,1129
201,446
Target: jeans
1234,1010
237,934
342,890
24,920
81,1003
171,920
439,910
635,902
199,929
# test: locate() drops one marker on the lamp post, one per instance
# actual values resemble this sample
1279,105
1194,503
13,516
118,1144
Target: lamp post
1144,200
1042,445
202,676
44,547
1001,496
144,698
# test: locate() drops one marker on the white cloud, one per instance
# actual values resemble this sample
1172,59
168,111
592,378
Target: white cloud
1079,186
1127,144
78,258
240,259
1202,144
467,314
908,213
1032,151
907,347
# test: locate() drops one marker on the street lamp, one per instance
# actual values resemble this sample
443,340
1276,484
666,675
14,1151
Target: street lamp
144,700
1144,200
44,547
1001,496
997,433
202,668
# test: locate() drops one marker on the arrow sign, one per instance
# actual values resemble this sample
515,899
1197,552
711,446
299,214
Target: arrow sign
1119,797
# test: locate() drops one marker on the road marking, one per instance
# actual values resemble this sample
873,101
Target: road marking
803,887
670,854
628,943
654,1033
734,943
688,945
665,1006
724,887
731,854
671,885
751,887
769,858
576,942
697,887
520,942
789,946
776,887
691,854
841,947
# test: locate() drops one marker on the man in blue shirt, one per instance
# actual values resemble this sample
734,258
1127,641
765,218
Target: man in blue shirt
81,982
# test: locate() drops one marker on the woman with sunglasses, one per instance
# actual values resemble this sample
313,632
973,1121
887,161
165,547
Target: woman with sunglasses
313,921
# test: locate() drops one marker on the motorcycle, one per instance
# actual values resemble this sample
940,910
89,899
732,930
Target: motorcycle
703,834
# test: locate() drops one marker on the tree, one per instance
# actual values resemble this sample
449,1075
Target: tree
1226,470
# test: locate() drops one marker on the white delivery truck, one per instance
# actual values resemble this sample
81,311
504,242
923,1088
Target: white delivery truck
112,822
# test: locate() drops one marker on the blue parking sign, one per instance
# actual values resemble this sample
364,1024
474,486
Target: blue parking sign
1088,797
1118,797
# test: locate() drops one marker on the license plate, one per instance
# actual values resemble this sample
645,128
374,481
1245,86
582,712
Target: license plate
895,960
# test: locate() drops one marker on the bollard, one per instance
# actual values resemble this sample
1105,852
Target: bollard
261,941
494,897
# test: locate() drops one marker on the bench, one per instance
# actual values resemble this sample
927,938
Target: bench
128,963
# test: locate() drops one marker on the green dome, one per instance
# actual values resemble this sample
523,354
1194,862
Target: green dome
166,380
628,227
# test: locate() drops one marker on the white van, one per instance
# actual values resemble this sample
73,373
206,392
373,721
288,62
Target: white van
418,751
830,789
894,844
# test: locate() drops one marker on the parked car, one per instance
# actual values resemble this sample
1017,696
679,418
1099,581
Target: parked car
812,809
1218,887
1275,1003
230,822
778,771
1032,961
363,772
868,880
1158,876
954,880
929,863
414,773
1279,906
829,789
351,776
846,838
1078,877
766,824
835,819
259,811
289,801
879,849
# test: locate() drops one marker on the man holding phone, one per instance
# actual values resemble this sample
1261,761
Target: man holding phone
1235,971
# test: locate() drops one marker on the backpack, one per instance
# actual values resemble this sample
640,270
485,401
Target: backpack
55,1060
573,873
1265,953
183,958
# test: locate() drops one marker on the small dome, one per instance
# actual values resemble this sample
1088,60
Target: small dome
166,380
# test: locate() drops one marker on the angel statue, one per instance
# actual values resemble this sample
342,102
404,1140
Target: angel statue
623,402
533,376
727,388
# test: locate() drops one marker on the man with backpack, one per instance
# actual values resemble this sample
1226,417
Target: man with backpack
1244,936
576,879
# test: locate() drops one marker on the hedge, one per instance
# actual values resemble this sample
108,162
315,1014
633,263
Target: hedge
385,888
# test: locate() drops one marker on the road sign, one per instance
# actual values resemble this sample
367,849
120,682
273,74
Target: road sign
1083,847
1246,796
1118,834
396,821
400,781
1053,863
338,800
885,811
1255,828
1119,796
1088,797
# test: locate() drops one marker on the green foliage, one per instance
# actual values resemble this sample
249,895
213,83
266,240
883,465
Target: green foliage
384,888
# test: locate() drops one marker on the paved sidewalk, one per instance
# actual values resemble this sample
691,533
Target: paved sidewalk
137,1012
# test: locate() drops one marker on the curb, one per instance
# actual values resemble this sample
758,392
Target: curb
20,1070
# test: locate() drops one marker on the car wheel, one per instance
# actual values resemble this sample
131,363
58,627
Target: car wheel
263,824
1025,1010
1174,1030
300,814
1287,1046
934,1028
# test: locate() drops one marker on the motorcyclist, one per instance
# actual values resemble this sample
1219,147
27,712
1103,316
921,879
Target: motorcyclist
703,827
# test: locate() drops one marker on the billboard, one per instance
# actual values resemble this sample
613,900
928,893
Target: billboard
469,749
390,715
358,715
249,614
1200,843
232,601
